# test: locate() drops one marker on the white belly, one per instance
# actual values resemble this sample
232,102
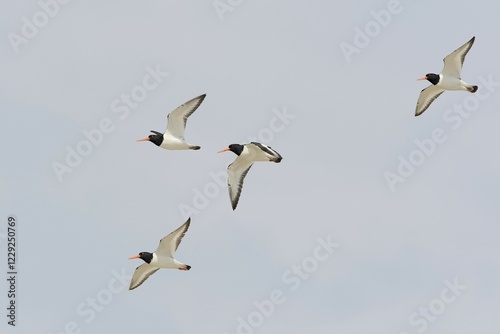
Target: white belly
172,143
254,155
165,262
450,83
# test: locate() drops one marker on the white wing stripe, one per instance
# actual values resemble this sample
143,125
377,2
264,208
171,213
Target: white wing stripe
168,245
427,96
141,274
177,119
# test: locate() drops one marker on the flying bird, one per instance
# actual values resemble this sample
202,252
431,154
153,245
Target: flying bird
173,138
162,257
448,79
247,155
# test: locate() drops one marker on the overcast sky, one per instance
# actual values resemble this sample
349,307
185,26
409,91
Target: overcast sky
376,221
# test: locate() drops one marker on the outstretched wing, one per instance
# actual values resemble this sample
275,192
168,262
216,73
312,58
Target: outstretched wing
168,245
141,274
270,153
236,173
454,61
176,120
427,96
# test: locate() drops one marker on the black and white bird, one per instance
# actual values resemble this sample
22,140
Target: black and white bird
448,79
247,155
162,257
173,138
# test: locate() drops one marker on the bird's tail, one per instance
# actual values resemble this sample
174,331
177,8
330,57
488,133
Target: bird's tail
472,89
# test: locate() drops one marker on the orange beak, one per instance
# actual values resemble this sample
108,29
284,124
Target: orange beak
224,150
144,139
422,78
134,257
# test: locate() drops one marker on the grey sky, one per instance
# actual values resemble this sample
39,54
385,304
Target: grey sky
274,71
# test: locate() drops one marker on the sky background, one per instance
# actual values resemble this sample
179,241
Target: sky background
350,123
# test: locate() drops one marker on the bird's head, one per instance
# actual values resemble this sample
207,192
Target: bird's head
235,148
146,256
431,77
156,138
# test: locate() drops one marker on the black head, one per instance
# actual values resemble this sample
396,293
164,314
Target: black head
236,148
146,256
432,78
156,139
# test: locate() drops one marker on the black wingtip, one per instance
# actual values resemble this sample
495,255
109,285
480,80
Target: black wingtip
188,267
194,147
201,97
474,89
